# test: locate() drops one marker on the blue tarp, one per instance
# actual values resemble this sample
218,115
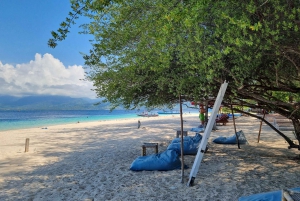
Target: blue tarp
190,144
167,160
269,196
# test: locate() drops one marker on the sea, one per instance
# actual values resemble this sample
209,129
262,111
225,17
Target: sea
12,120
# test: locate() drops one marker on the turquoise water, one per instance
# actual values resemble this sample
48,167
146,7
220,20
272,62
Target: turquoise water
10,120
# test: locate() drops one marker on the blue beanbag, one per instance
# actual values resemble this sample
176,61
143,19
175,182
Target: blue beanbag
225,140
167,160
198,130
185,138
190,145
197,138
231,139
269,196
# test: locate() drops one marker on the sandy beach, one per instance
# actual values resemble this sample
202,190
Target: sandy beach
91,161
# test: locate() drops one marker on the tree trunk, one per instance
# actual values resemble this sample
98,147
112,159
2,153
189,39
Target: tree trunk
296,124
287,139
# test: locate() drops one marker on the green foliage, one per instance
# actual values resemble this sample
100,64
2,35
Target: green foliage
150,52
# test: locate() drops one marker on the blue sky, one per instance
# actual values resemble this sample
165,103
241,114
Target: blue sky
26,26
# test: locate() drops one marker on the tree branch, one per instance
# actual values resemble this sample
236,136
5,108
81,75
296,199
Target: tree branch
289,141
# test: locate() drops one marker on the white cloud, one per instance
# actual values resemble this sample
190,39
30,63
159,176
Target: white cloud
45,75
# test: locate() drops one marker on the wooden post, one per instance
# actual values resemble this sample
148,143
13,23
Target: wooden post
237,137
181,143
258,137
206,113
27,145
143,150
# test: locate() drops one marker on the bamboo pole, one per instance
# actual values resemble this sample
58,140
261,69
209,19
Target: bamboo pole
27,145
206,113
258,137
181,144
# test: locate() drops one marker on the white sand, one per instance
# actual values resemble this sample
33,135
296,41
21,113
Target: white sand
90,161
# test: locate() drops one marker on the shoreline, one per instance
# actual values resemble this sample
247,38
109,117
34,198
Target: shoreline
92,161
60,121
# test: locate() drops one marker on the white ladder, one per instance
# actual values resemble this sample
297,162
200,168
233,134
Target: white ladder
206,135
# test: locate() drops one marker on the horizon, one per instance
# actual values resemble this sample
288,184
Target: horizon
54,102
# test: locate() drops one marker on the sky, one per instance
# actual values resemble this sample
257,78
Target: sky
27,65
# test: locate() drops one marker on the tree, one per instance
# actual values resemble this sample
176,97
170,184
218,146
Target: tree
149,53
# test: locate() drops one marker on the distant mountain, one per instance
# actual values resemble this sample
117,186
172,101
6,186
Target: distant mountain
49,103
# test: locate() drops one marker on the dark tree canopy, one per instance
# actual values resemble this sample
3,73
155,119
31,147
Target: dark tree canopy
149,53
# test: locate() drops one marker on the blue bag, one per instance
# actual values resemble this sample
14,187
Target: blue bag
198,130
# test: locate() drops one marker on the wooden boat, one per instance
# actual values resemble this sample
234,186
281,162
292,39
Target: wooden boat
146,114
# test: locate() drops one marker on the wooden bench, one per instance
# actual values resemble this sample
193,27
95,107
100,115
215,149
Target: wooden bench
149,145
283,124
178,133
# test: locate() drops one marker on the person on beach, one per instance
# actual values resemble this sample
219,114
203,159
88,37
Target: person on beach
202,115
139,123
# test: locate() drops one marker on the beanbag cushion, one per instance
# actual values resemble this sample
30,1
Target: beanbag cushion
198,130
269,196
196,138
167,160
225,140
190,144
231,139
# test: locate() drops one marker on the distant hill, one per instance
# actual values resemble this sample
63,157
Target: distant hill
60,103
49,103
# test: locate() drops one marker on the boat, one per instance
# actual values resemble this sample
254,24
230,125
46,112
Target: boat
169,112
146,114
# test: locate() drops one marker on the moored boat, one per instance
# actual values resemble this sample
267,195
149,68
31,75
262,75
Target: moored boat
146,114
